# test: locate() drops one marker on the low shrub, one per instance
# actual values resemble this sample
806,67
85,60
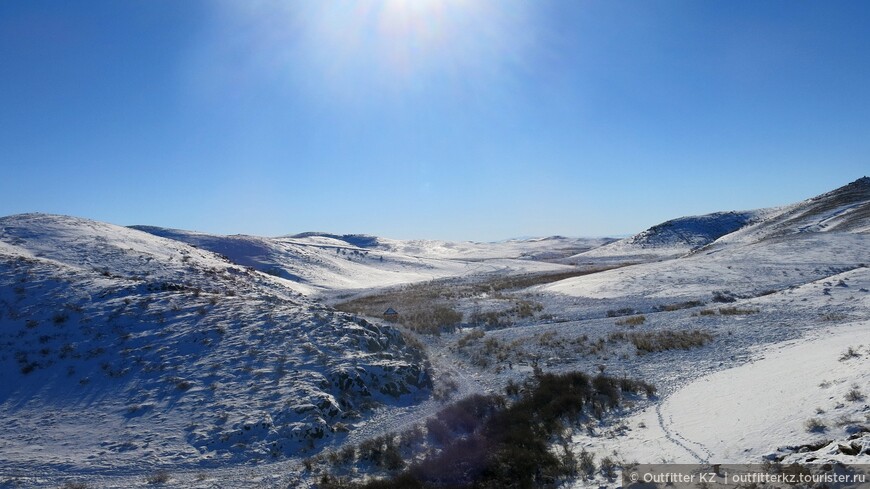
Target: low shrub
159,477
432,320
382,452
587,463
833,316
734,311
632,321
849,354
490,319
854,395
626,311
608,467
815,425
680,305
525,309
470,337
656,341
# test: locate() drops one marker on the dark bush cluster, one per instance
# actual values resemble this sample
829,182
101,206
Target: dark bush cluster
615,313
488,443
679,305
724,296
383,452
735,311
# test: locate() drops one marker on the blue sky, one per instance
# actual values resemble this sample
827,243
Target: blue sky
451,119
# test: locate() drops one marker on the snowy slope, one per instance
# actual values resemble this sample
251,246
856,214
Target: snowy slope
780,248
745,270
553,247
757,410
761,409
317,262
121,348
762,406
676,237
844,210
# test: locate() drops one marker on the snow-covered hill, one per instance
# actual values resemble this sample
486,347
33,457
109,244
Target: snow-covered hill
317,262
676,237
121,348
772,250
125,350
846,209
170,348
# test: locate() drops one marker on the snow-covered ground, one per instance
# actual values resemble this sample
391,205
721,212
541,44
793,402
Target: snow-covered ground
745,413
320,263
744,270
126,351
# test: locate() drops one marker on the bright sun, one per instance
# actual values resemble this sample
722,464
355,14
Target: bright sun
394,44
404,37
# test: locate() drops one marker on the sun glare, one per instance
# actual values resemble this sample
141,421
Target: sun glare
412,31
390,44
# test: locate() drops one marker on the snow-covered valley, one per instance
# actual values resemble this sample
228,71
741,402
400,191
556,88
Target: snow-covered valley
241,361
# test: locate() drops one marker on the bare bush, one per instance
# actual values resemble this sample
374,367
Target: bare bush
159,477
734,311
587,463
815,425
680,305
474,335
656,341
849,354
626,311
632,321
854,395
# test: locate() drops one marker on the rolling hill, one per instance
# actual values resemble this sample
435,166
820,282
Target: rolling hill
317,263
132,349
147,351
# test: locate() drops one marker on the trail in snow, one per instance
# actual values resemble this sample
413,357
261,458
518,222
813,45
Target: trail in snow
678,440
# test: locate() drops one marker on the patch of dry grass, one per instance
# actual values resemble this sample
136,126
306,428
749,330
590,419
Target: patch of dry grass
632,321
656,341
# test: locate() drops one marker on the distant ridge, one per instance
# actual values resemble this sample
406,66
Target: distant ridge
845,209
694,231
358,240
